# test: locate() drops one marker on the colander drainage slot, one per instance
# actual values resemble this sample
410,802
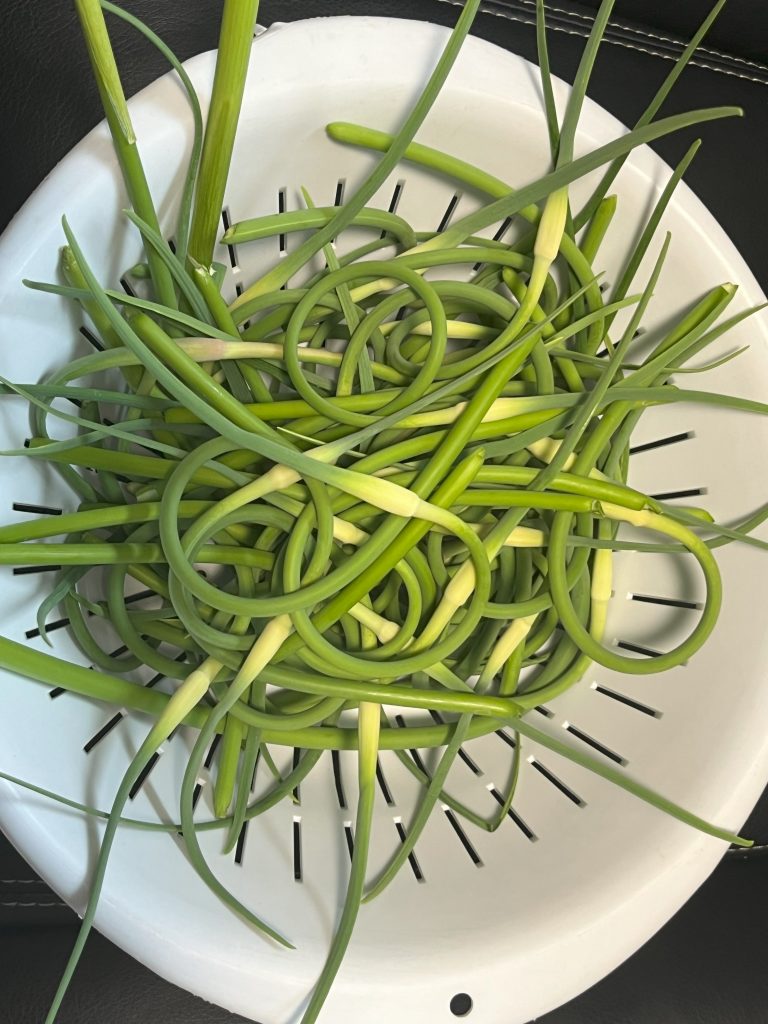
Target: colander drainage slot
414,753
240,845
627,645
418,874
36,510
338,781
107,729
144,774
296,789
140,595
528,832
474,856
386,792
557,783
127,288
627,701
31,570
30,634
473,766
243,834
282,206
509,740
394,202
349,838
206,764
91,338
500,232
668,602
449,212
502,229
297,848
662,442
231,251
103,732
595,744
690,492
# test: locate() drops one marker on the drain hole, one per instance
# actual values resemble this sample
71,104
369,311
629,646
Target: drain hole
395,200
349,838
91,338
297,789
668,602
206,764
596,745
500,232
450,210
139,596
691,492
282,206
240,847
662,442
104,731
297,849
561,786
127,288
338,198
403,835
29,570
40,510
461,1005
503,228
628,701
649,652
509,740
529,834
414,753
383,786
50,627
397,195
474,856
338,780
544,711
144,775
227,224
473,766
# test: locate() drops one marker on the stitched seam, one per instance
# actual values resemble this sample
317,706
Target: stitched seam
508,16
637,30
20,903
20,881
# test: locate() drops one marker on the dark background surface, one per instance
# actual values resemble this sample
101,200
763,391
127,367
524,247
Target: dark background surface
708,965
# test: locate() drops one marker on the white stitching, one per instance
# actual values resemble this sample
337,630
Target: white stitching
20,903
637,30
508,16
732,56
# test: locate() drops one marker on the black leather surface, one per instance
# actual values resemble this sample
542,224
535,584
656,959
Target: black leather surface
708,965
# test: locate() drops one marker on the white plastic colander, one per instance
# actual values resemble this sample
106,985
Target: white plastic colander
581,874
